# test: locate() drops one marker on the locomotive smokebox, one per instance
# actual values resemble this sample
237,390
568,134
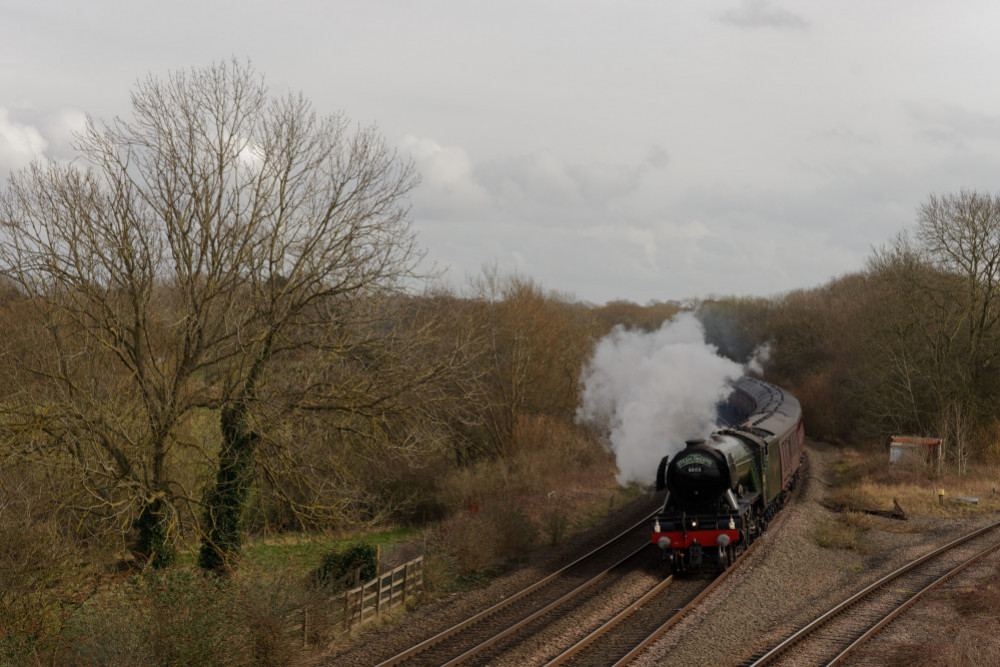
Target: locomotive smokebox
698,475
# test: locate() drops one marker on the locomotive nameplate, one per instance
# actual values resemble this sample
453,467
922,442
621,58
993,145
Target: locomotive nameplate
695,459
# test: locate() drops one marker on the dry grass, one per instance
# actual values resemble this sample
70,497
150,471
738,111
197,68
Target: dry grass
975,644
979,601
866,480
843,531
969,636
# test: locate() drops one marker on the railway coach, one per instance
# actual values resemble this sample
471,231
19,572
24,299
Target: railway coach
723,490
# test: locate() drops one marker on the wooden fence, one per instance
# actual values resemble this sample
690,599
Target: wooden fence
367,602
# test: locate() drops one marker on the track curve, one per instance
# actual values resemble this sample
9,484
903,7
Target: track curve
829,638
477,633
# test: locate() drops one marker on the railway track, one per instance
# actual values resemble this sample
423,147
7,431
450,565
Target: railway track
502,633
548,632
633,629
831,637
479,633
537,626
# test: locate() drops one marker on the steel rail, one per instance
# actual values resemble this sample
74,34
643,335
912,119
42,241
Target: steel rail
541,612
572,651
441,636
793,639
909,603
620,616
659,632
676,618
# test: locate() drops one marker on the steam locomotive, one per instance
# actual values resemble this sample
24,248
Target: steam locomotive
723,490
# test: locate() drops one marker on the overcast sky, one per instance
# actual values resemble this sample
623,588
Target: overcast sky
648,150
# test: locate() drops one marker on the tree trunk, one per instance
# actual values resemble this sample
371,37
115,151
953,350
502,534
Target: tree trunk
153,543
222,532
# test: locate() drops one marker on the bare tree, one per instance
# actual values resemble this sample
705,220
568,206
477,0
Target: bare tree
959,235
214,236
943,348
530,348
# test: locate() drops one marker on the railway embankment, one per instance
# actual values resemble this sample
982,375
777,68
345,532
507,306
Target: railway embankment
400,633
814,555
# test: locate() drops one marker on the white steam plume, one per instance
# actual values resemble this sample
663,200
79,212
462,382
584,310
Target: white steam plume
761,355
654,391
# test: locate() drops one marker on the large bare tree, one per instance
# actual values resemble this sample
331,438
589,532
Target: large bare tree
944,356
211,250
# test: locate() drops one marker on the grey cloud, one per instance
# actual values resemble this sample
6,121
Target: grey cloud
535,186
950,124
762,14
845,136
541,179
657,157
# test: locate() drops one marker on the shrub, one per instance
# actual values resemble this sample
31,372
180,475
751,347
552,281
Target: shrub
183,617
267,609
514,535
441,572
466,542
556,525
338,568
485,539
39,567
168,617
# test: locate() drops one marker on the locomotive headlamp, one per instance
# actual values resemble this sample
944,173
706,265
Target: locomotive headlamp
694,523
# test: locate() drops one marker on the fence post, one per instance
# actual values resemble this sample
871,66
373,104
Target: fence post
347,610
361,613
406,581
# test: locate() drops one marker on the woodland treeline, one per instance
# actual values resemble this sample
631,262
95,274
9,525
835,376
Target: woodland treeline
216,323
909,345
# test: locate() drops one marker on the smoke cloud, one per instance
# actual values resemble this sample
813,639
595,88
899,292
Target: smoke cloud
653,391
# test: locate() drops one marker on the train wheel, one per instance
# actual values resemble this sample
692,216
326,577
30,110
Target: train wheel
724,558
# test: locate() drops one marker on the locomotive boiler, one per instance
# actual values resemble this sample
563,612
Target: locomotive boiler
724,489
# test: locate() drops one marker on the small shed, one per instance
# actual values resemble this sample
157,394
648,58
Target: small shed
915,449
